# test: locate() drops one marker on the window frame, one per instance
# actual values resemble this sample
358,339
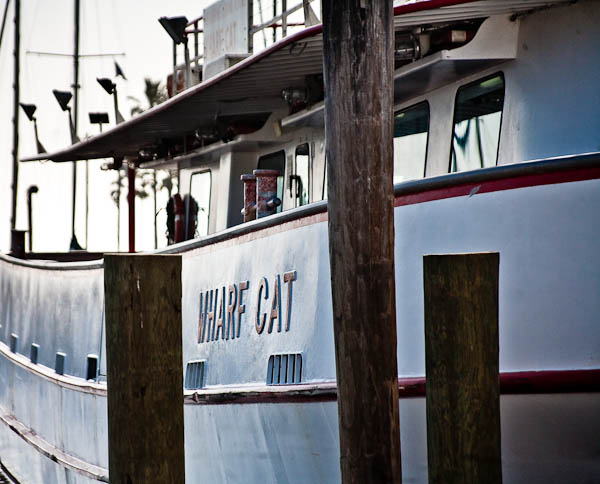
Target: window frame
200,172
309,172
412,106
466,86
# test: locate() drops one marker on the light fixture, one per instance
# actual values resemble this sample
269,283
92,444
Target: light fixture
175,27
99,118
107,84
111,88
294,95
63,98
29,111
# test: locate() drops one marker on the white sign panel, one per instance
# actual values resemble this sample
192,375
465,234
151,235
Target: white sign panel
225,29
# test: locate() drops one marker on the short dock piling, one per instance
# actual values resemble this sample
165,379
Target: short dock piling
461,359
144,369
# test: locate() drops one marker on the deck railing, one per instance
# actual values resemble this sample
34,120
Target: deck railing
269,21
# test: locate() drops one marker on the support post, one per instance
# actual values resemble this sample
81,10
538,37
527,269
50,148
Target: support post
15,150
74,245
461,358
131,204
144,368
358,68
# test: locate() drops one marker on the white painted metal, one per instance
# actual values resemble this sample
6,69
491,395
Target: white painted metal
535,297
225,29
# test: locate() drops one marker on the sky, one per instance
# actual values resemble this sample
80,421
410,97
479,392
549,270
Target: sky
107,26
129,31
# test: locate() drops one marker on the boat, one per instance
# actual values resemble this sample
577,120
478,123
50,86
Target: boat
496,149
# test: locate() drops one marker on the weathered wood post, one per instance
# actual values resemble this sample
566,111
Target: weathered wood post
144,368
461,346
358,69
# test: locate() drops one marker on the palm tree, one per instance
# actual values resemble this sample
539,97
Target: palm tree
155,93
141,191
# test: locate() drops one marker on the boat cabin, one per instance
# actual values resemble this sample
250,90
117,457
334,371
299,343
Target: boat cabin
461,85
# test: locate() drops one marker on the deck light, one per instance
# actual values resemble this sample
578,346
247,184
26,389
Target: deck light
107,84
29,111
63,98
99,118
111,88
175,27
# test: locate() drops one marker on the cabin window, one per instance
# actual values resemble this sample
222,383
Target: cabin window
200,187
300,181
275,161
477,119
411,132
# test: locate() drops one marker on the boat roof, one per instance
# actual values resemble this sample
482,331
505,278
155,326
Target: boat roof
253,86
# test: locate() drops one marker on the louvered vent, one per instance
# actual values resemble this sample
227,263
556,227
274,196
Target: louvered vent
194,375
284,369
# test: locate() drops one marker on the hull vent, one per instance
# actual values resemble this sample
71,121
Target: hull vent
284,369
194,375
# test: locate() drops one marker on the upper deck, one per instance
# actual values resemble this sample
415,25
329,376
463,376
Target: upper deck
477,84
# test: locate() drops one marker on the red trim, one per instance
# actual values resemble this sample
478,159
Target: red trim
259,233
550,381
499,185
511,383
427,5
509,183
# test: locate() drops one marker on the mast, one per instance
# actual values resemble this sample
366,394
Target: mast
74,244
76,68
15,152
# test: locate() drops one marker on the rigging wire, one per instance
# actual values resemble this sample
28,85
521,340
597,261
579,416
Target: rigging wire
4,21
28,70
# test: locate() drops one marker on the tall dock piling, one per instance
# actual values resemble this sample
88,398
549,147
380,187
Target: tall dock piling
144,368
358,71
461,359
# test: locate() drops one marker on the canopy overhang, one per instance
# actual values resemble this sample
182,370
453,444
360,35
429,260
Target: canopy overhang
254,85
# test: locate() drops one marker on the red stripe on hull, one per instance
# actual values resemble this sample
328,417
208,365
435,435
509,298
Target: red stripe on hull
499,185
511,383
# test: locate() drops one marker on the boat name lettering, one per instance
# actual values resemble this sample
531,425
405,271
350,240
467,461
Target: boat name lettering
221,310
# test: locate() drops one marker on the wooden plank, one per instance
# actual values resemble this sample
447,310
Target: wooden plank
462,369
358,69
144,368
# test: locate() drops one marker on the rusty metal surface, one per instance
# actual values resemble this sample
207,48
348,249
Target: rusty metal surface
266,192
249,209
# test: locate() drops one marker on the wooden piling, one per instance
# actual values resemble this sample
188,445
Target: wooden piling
144,368
358,70
461,346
